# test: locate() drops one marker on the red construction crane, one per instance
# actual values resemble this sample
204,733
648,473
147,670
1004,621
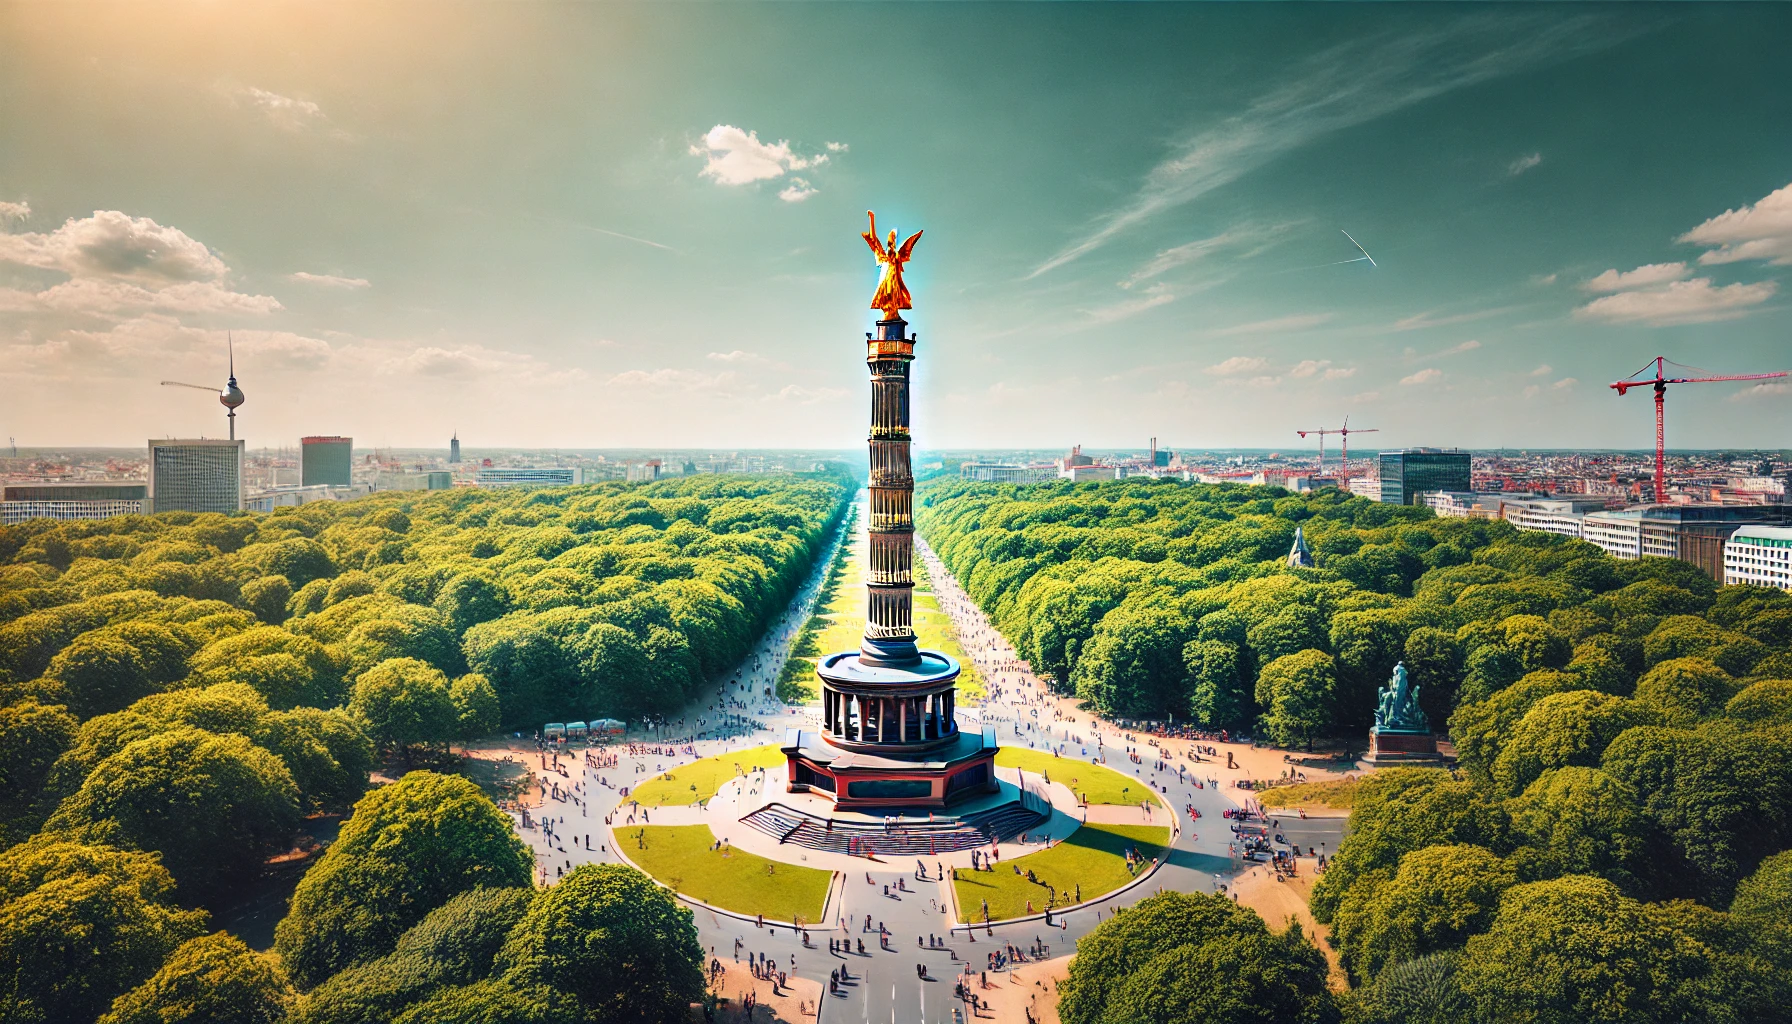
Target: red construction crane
1346,430
1660,383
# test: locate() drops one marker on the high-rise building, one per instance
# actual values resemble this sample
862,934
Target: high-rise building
19,502
1407,473
454,448
203,475
326,461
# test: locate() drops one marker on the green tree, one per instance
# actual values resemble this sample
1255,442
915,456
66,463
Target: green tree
80,925
1439,897
476,705
471,598
210,978
1264,979
1766,895
1296,692
286,669
1397,811
267,596
109,668
614,940
1685,690
1109,958
1132,666
32,737
1295,628
1424,990
404,701
1481,729
1575,950
408,848
455,945
215,807
1563,729
1582,821
1220,695
1768,702
328,753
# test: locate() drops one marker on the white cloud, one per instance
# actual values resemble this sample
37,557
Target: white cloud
1644,276
797,191
838,147
1300,322
736,356
1365,396
285,112
1565,384
670,379
1340,372
808,396
114,243
736,157
15,211
1759,232
1155,295
1263,381
1308,367
1543,280
117,264
330,280
1765,389
1467,346
1542,371
1425,376
1236,365
1681,302
1425,321
1523,164
1532,391
1345,86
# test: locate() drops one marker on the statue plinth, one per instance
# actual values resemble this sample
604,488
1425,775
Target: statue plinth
1389,746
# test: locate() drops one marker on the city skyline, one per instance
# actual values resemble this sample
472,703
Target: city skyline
1135,223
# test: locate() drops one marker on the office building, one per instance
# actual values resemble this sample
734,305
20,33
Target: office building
1691,533
19,502
454,449
1005,472
528,476
1364,487
1760,556
203,475
1410,472
276,497
643,472
325,461
1564,516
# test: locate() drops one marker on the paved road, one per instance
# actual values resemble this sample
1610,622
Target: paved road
884,984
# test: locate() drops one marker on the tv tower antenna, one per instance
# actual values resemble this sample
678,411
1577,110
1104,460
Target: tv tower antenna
230,397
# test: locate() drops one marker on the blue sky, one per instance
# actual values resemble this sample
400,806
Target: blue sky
613,225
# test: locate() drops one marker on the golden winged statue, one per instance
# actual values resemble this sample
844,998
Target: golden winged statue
891,295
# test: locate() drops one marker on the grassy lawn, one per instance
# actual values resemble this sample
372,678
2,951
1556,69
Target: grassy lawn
839,625
1093,856
1336,793
674,787
680,856
1095,783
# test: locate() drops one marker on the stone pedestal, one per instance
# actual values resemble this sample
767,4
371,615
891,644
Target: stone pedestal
1390,746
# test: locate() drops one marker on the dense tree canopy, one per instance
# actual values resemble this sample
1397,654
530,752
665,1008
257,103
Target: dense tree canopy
177,689
1190,958
409,848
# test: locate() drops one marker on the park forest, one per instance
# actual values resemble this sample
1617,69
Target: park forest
177,691
1613,843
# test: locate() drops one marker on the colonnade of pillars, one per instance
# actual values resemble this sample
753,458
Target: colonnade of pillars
888,720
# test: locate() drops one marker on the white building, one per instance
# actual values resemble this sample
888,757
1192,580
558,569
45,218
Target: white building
1564,516
1759,555
197,475
1366,487
529,476
1006,472
19,502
